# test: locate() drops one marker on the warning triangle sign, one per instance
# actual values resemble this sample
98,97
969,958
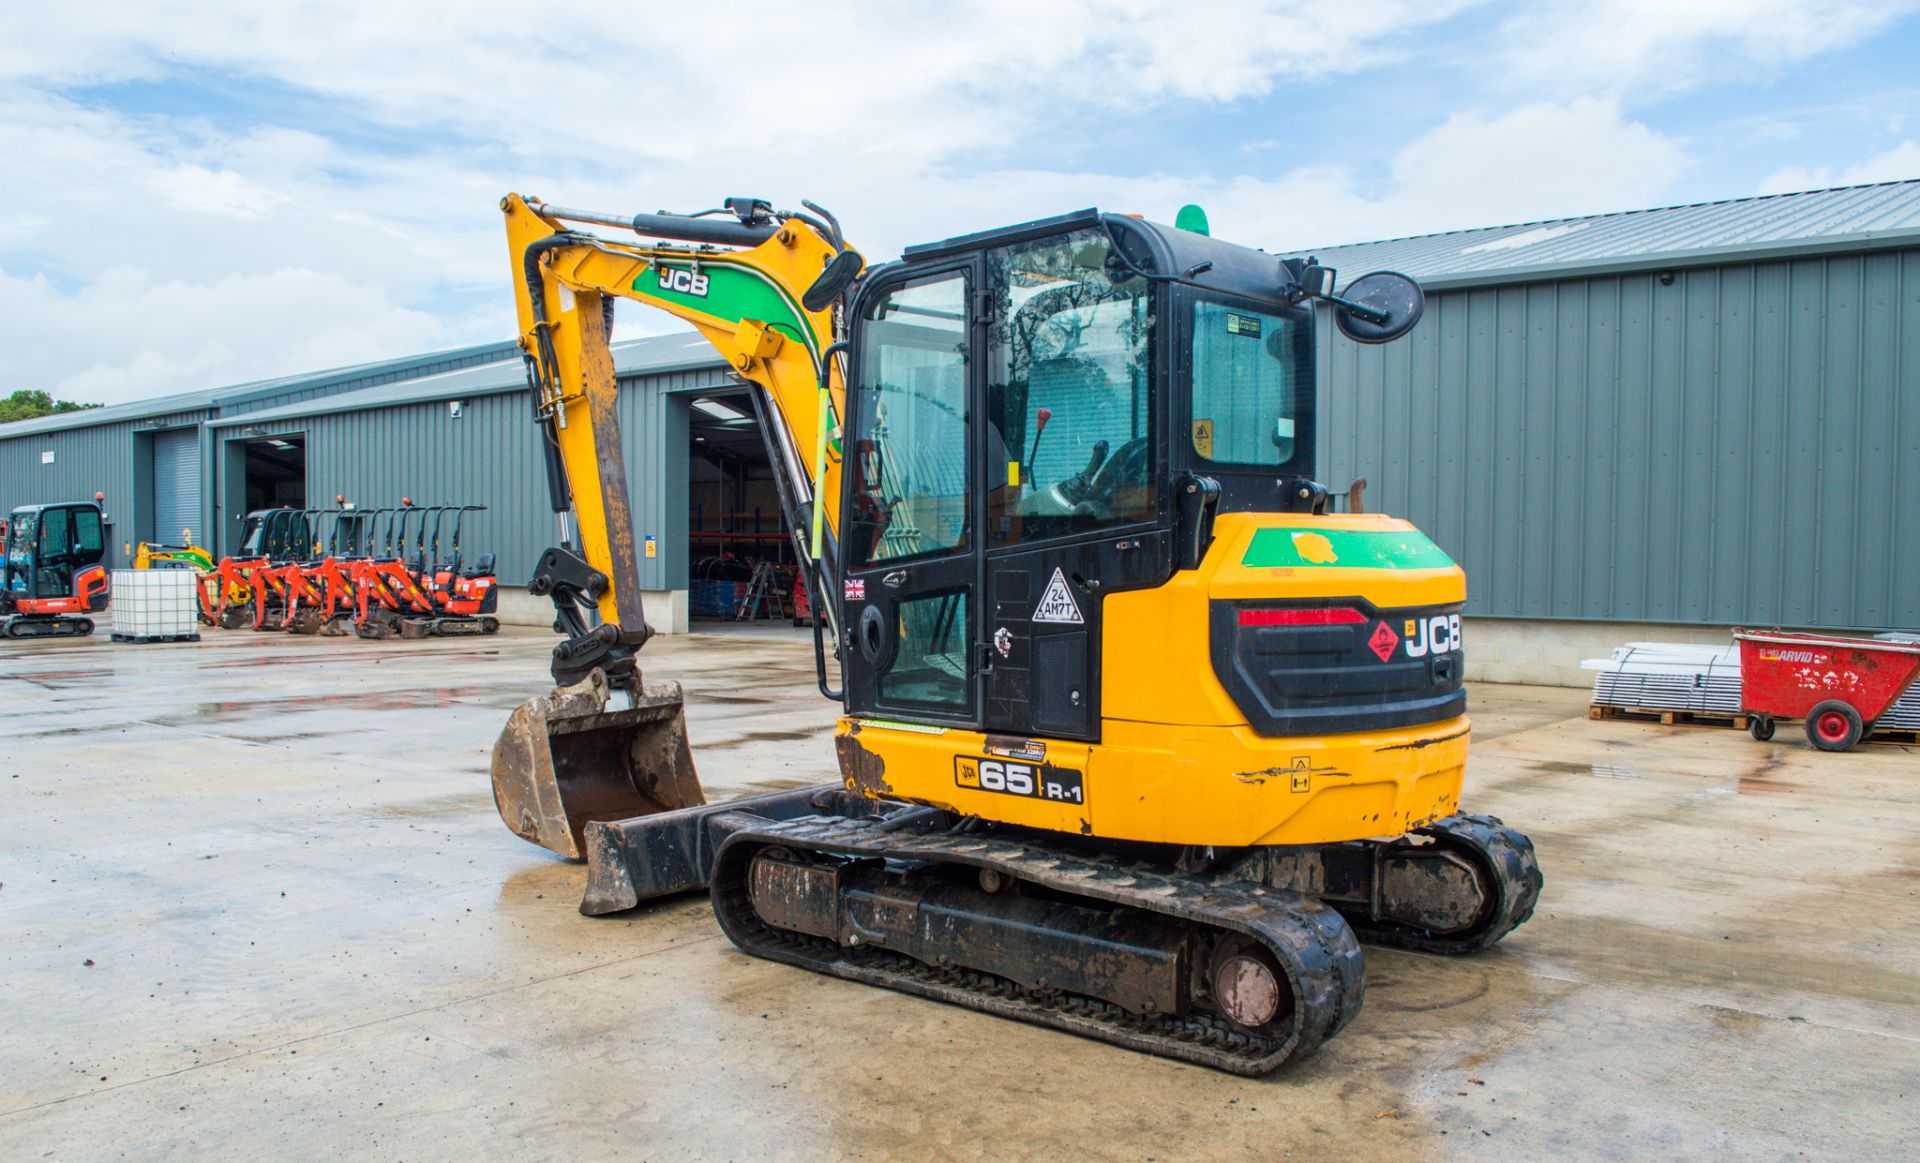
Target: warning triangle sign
1057,604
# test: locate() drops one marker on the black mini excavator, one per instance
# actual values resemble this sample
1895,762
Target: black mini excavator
1143,733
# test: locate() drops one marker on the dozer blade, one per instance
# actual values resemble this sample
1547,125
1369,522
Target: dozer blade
564,759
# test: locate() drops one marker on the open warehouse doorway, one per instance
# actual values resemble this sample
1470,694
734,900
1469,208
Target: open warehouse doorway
276,473
739,545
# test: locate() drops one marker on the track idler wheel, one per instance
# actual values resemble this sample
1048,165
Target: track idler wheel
1475,881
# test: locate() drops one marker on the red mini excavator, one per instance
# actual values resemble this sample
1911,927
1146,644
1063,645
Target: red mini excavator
53,573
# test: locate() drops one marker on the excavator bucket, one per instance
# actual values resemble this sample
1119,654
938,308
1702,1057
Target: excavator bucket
565,759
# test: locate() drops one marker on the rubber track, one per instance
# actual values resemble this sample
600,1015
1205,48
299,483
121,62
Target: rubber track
1504,853
28,627
1312,940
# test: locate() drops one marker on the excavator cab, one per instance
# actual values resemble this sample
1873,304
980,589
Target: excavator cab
54,571
1046,417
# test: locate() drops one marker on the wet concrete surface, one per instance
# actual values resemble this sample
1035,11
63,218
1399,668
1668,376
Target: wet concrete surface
255,900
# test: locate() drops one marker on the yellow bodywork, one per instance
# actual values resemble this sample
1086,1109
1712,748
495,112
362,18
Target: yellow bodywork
1177,762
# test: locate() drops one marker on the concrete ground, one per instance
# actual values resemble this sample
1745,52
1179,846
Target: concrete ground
256,903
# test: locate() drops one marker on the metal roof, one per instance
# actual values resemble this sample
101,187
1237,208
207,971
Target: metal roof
681,351
1849,218
213,399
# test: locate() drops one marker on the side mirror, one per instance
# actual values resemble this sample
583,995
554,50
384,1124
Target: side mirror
1379,308
834,279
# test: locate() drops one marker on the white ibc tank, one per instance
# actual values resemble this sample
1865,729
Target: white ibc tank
156,603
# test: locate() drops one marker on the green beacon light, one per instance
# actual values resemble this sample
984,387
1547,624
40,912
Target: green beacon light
1193,218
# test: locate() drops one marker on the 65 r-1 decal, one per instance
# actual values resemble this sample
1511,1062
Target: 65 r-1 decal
1033,781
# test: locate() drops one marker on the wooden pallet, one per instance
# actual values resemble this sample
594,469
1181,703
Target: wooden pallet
1892,736
1735,719
1899,736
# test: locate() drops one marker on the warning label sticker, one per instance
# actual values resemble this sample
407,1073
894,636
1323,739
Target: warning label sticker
1057,604
1203,438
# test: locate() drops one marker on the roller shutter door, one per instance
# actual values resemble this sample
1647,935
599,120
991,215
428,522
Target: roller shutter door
176,485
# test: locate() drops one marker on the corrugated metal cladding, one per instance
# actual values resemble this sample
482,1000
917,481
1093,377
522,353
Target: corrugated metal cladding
112,450
176,486
1741,446
490,455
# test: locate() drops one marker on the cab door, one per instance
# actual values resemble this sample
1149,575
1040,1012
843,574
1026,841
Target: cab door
1074,504
910,524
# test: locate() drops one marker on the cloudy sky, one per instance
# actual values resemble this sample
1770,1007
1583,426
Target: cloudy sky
212,192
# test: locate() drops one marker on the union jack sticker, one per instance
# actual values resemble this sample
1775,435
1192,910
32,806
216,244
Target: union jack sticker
856,589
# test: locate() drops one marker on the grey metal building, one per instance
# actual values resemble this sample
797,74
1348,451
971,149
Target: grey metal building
1684,417
155,460
1704,414
446,428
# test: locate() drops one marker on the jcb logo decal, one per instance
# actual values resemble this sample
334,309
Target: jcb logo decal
1435,635
684,281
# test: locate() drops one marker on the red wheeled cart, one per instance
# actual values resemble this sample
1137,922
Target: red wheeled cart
1838,684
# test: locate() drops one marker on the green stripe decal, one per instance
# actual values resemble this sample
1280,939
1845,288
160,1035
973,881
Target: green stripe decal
732,293
1348,548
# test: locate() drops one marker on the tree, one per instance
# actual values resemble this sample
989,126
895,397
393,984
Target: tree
26,405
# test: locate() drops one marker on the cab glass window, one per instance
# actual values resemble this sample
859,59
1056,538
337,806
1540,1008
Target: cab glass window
908,468
54,540
1070,404
20,543
930,667
1252,385
86,531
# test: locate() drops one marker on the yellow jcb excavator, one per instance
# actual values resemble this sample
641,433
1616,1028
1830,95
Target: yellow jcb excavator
1141,738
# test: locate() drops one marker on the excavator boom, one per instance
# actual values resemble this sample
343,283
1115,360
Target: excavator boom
743,281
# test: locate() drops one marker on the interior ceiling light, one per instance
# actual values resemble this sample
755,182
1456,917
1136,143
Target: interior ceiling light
279,444
720,411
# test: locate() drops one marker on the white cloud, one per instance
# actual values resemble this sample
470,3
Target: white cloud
869,78
1539,161
307,256
1634,49
367,214
120,337
1901,163
419,116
